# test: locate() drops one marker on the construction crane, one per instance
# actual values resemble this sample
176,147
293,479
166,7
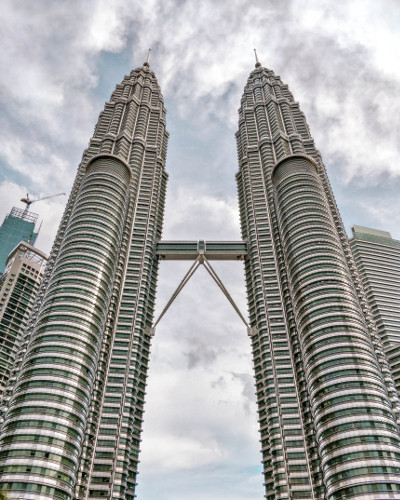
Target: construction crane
29,202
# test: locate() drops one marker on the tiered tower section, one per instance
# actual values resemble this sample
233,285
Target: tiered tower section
328,407
74,411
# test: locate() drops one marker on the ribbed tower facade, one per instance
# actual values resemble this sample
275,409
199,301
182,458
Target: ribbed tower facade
377,256
19,286
74,408
328,408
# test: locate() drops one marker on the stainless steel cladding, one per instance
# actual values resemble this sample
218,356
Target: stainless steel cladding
74,412
327,404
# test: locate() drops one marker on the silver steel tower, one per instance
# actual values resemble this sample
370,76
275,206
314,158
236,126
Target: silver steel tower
72,427
328,407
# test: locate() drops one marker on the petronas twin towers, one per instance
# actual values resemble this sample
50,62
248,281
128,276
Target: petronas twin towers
328,408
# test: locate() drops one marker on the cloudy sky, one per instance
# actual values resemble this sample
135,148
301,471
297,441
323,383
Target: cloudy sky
61,60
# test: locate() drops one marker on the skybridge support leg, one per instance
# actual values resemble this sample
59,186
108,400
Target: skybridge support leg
201,260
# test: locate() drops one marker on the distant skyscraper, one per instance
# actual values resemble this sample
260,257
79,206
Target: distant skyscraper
18,225
377,256
328,407
18,290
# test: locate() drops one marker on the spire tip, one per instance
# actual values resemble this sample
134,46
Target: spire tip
258,64
147,59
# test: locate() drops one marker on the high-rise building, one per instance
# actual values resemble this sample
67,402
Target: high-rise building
328,406
19,225
72,429
377,256
18,290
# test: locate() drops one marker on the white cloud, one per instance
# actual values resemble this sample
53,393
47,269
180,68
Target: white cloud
10,194
194,215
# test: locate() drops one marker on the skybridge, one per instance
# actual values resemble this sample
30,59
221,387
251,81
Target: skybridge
200,253
211,250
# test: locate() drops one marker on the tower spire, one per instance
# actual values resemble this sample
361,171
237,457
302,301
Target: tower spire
147,58
258,64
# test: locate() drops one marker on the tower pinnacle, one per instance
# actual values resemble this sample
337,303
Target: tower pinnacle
258,64
147,59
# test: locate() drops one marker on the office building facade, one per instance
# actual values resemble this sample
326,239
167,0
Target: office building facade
19,286
328,407
19,225
377,256
72,428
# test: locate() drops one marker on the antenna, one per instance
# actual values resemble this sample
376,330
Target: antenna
258,64
148,58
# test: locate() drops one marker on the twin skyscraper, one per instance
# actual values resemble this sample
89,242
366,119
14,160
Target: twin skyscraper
328,406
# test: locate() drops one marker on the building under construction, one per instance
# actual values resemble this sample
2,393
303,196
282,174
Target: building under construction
19,225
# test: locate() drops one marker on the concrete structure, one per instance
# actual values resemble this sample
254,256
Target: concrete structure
377,256
19,225
328,406
19,286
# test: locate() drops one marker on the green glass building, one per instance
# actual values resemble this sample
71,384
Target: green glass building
18,225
